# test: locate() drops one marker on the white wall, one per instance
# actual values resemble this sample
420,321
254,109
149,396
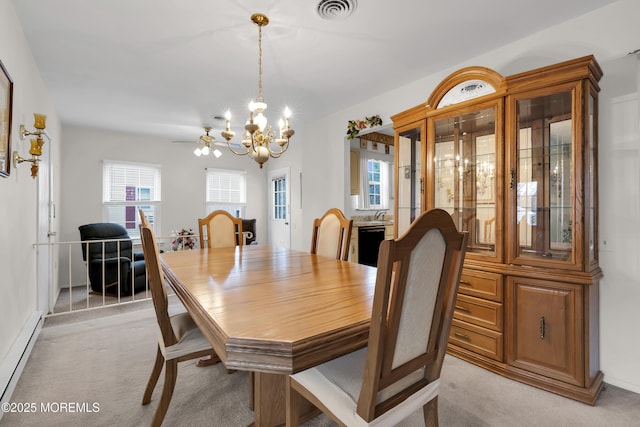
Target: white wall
19,192
609,34
183,179
619,190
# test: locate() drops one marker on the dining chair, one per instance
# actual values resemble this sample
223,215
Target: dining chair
332,235
399,371
220,230
179,339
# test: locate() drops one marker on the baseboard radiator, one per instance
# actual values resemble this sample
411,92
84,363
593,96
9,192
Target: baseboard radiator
12,365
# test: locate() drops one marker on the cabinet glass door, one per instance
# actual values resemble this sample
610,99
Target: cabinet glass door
465,174
410,185
543,179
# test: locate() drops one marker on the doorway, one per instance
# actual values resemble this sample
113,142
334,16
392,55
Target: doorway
46,219
279,208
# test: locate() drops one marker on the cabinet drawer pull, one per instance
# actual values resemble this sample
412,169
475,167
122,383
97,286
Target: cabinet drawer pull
542,327
461,308
464,282
459,335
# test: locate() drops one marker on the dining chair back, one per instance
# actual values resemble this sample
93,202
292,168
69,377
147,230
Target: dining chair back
332,235
399,371
179,338
220,230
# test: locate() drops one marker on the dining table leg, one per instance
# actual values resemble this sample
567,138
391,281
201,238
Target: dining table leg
269,402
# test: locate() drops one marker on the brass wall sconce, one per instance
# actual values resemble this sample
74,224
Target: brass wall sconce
36,143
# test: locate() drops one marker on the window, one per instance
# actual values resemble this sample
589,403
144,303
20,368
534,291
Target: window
128,187
279,198
375,183
226,190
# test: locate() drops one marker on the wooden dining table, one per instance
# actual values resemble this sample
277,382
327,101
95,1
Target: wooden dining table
273,311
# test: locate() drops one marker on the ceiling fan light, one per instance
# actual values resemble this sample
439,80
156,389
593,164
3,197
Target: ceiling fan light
197,152
205,150
217,153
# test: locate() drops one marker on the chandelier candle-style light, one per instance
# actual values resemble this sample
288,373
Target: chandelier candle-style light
260,140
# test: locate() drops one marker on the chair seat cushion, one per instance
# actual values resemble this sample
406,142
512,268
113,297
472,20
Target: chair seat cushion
175,309
337,385
190,339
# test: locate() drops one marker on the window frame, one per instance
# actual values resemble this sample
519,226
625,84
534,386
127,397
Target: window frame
152,205
237,207
372,183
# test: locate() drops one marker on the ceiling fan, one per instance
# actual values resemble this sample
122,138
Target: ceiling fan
208,144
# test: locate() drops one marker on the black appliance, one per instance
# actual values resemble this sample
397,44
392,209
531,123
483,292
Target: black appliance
369,239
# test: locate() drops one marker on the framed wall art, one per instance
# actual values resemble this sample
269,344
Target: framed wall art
6,104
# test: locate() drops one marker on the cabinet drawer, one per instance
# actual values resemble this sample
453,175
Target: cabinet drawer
479,340
487,314
481,284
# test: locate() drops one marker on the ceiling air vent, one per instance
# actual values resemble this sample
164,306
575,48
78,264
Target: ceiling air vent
336,9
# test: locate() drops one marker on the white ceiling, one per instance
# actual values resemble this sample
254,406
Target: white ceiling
167,67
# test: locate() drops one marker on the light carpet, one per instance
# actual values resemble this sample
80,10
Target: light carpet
105,362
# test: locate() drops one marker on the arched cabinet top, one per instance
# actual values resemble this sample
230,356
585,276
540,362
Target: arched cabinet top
465,84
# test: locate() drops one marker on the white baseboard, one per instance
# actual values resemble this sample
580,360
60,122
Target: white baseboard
12,365
621,383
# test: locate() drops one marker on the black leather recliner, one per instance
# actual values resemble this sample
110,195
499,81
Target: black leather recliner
110,258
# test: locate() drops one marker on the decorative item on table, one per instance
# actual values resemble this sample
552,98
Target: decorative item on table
183,239
355,126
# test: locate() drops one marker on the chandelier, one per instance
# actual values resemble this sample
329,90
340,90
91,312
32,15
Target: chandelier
260,140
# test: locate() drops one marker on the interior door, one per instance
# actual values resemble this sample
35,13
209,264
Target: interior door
46,254
280,208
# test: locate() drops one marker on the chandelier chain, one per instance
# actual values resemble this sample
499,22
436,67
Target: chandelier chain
260,63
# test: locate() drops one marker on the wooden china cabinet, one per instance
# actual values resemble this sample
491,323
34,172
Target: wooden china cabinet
514,161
